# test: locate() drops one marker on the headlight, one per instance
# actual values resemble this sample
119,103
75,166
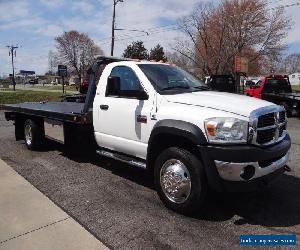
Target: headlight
226,130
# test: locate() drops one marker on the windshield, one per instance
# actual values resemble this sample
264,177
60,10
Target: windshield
277,86
170,78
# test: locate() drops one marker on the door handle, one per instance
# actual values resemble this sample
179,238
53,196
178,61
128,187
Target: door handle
104,107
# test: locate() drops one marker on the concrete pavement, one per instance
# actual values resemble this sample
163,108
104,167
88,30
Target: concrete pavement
29,220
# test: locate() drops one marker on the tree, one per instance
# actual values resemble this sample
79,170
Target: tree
180,61
77,51
292,63
217,33
136,50
157,53
52,62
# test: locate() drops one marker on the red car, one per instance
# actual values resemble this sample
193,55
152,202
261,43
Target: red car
270,84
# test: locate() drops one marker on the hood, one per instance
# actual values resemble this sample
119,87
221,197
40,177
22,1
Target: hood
232,103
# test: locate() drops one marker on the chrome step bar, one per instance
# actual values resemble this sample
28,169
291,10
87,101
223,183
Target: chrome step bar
123,158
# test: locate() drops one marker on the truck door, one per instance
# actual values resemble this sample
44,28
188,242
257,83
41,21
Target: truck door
124,119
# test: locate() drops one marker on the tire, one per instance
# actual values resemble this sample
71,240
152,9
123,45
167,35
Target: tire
33,135
298,113
287,109
190,198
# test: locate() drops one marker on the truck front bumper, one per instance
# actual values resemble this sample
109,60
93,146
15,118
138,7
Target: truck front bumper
244,171
244,167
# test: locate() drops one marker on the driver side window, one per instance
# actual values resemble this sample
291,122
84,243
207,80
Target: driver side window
128,79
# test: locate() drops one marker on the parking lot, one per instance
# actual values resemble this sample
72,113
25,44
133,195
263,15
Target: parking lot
117,203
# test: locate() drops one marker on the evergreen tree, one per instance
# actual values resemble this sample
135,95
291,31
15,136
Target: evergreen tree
157,53
136,50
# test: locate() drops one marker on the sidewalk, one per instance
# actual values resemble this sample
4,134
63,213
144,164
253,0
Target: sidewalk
29,220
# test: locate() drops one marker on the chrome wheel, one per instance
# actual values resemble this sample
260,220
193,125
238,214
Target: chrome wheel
28,134
175,181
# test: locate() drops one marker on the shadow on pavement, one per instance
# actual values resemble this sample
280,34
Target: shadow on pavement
137,175
277,205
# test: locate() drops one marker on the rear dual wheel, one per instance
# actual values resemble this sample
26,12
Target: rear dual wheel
33,134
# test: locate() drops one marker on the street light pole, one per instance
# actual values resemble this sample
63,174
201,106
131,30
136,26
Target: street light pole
113,27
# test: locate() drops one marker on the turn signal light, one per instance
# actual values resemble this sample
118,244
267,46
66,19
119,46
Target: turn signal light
211,129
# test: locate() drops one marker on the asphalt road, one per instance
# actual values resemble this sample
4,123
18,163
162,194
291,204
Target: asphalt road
118,204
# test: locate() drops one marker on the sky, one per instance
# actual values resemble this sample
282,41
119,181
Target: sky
32,25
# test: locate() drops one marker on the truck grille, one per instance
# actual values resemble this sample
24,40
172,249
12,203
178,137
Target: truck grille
266,120
265,136
270,128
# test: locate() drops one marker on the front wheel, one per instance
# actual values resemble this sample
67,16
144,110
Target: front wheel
180,180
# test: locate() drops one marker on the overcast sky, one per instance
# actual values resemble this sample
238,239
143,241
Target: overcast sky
33,25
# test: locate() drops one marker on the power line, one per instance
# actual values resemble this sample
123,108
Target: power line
149,30
285,6
129,36
160,29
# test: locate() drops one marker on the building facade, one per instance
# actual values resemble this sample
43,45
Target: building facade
295,78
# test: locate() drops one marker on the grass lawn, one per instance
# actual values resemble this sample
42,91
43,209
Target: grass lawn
28,96
57,87
296,87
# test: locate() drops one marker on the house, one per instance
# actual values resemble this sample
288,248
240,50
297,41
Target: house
294,78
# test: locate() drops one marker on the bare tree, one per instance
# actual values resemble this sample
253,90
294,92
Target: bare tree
217,33
180,61
52,62
292,63
77,51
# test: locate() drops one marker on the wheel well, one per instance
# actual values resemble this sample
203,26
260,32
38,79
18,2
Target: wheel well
164,141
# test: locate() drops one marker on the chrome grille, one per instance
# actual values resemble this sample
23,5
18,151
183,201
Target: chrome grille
266,120
267,126
265,136
282,116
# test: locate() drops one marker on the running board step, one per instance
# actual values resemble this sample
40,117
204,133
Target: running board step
123,158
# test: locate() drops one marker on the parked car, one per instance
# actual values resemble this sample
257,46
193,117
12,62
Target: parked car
158,117
33,81
277,89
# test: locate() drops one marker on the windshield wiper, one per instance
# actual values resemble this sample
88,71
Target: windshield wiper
202,87
176,87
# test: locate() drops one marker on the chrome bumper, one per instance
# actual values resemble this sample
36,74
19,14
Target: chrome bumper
231,171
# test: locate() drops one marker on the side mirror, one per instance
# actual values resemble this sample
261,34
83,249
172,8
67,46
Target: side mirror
142,95
254,86
113,85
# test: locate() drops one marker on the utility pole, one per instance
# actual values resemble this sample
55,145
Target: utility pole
113,26
12,53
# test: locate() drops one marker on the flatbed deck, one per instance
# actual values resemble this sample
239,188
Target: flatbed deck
63,111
